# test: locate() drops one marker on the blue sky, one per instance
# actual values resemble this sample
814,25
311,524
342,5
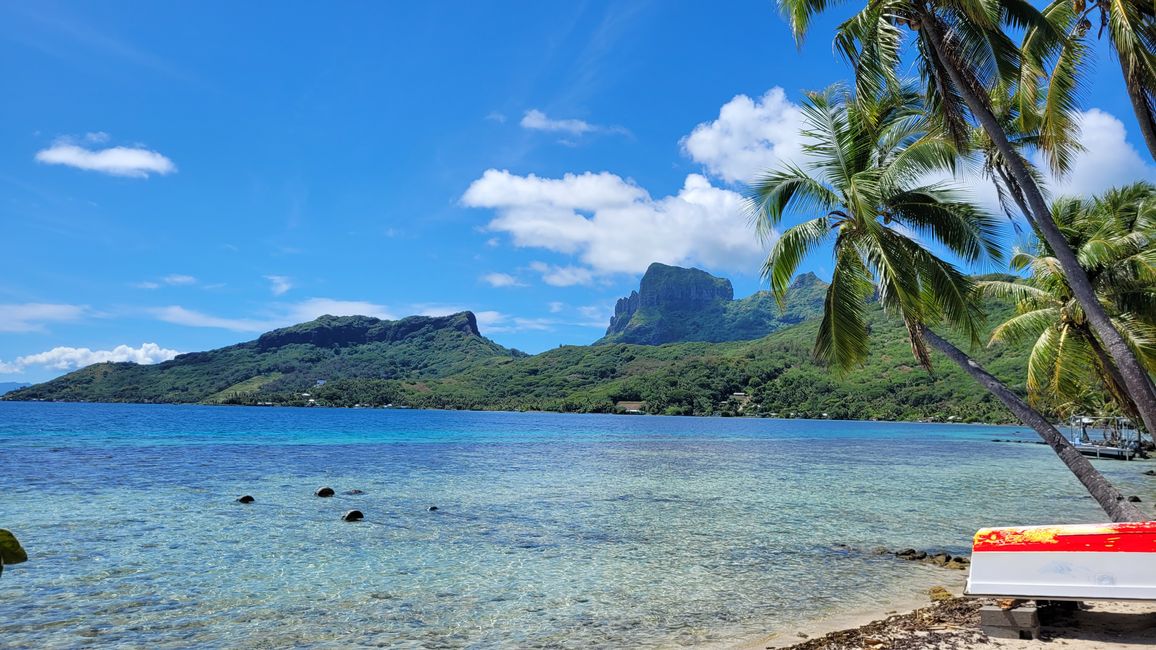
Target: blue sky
182,176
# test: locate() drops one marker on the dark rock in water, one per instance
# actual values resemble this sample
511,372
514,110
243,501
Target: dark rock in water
324,492
354,492
940,559
1134,499
10,550
352,515
1151,472
246,499
432,509
907,552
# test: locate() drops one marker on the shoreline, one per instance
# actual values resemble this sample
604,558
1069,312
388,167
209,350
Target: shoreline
953,624
901,598
1010,423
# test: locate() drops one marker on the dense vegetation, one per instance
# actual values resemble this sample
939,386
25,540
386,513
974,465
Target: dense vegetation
287,361
677,305
445,363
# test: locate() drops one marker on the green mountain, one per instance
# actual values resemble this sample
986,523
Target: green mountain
289,360
674,304
446,363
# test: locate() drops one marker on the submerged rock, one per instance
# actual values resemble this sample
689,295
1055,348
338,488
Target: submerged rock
431,509
246,499
354,492
353,515
324,492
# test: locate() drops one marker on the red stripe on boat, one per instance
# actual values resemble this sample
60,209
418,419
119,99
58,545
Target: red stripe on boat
1133,537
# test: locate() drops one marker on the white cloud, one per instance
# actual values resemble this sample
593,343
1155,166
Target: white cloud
496,117
97,137
66,358
177,279
281,315
146,285
599,314
536,120
588,191
180,316
614,226
1107,161
556,306
31,317
749,137
502,280
563,276
279,284
133,162
312,308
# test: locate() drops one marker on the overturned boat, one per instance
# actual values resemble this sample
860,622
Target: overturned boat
1076,562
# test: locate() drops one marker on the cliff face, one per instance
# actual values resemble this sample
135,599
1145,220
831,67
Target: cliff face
673,288
329,331
674,304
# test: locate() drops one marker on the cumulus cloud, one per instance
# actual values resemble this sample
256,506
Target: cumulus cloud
279,284
66,358
502,280
536,120
31,317
177,279
133,162
1108,160
615,226
749,137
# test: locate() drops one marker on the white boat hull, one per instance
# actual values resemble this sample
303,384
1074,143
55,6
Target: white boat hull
1086,562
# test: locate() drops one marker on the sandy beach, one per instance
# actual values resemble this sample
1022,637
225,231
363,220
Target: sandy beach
954,625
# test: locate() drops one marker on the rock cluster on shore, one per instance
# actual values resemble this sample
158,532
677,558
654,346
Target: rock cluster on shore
945,560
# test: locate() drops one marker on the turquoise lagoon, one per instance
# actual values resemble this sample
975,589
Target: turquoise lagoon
551,530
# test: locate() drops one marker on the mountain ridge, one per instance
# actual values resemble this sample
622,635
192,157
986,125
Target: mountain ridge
674,304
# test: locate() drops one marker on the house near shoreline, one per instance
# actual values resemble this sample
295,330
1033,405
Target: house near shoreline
630,407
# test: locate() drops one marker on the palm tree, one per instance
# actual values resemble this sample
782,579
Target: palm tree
1131,28
866,159
1113,236
963,49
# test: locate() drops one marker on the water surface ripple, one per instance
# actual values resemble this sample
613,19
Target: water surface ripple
552,531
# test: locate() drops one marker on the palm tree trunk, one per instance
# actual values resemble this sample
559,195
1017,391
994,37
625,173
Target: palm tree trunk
1101,490
1112,379
1137,94
1135,376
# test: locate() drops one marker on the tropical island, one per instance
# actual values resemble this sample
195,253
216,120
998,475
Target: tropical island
924,247
681,345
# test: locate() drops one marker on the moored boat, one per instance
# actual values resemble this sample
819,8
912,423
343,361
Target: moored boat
1067,562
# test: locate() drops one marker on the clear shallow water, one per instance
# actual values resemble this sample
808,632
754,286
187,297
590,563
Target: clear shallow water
552,530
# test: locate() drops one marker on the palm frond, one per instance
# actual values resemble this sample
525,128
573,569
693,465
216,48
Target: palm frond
842,339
